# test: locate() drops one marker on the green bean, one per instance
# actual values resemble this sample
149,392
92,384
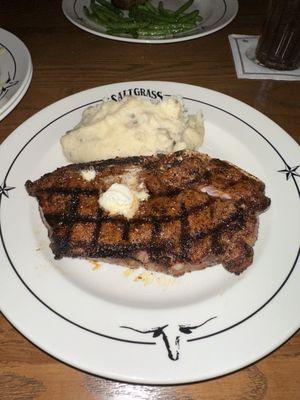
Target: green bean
109,6
136,14
150,7
141,15
157,33
161,7
184,7
128,25
105,13
148,12
173,27
87,12
192,16
161,32
112,31
143,19
163,11
159,28
93,17
104,7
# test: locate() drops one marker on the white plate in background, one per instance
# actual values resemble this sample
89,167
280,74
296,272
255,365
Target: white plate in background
15,71
216,15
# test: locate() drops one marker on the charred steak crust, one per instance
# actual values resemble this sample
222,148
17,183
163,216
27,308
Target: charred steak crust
201,211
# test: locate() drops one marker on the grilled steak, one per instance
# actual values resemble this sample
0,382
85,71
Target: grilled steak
200,212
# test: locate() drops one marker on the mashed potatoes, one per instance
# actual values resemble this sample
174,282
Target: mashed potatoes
133,126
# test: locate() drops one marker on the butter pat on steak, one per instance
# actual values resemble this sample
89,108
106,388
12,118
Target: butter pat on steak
199,212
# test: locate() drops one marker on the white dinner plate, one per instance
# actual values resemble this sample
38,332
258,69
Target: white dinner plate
216,14
15,71
145,327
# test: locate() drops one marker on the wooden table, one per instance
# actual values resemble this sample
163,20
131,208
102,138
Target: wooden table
67,60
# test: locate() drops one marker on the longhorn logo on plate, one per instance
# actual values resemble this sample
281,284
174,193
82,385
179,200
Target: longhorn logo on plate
171,335
7,85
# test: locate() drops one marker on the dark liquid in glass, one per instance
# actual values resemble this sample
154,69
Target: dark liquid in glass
279,44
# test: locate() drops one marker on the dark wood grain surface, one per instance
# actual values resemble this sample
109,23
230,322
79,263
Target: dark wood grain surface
67,60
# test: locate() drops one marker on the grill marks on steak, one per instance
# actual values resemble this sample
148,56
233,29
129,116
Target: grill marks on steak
200,212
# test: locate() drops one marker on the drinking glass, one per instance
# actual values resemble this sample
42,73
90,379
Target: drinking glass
279,44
